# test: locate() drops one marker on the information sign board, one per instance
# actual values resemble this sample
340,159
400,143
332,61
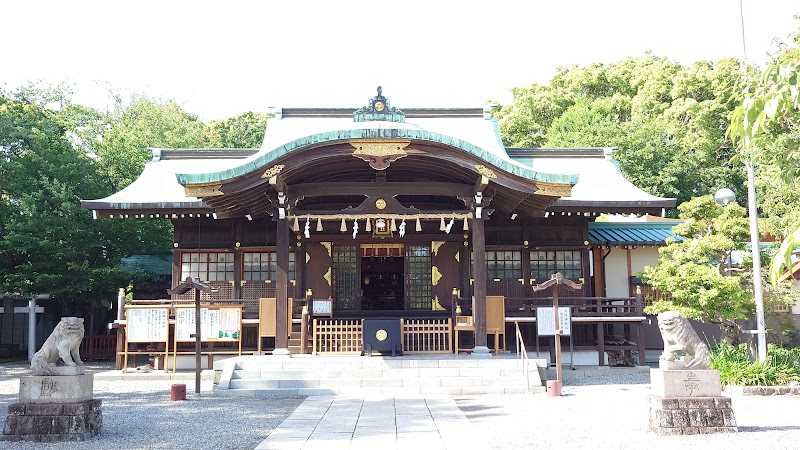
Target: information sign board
217,323
545,321
149,324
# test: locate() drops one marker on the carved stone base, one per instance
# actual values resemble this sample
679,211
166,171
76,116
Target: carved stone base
685,383
691,415
56,389
53,422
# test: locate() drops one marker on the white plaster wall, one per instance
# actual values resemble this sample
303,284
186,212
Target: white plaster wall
616,267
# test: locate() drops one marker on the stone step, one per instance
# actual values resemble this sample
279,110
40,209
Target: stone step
322,375
360,391
492,373
333,383
309,362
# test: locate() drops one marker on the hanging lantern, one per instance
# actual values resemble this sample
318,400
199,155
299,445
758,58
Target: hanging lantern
369,225
296,225
343,228
466,224
419,226
442,225
393,226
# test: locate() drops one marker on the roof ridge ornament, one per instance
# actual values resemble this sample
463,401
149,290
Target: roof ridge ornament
379,109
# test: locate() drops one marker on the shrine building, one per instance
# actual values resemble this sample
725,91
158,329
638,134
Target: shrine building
415,215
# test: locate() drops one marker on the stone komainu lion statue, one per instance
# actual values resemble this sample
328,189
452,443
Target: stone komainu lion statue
679,336
64,343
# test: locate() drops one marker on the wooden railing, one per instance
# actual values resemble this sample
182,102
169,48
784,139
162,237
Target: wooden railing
522,354
427,336
340,336
582,306
98,347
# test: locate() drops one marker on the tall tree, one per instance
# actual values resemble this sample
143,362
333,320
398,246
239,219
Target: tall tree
48,244
667,120
243,131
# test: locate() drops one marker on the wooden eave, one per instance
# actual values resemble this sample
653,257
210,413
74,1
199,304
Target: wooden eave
331,168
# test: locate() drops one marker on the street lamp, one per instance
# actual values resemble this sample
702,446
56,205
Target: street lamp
723,197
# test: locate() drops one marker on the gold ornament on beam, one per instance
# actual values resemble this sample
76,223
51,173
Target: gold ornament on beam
319,224
419,226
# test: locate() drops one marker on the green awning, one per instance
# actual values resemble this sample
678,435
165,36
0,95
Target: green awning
631,233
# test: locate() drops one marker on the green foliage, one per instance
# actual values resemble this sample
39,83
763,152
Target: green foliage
243,131
692,271
122,139
781,367
667,120
48,244
766,129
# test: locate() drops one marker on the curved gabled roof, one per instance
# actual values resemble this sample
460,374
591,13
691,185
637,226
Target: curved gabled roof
466,130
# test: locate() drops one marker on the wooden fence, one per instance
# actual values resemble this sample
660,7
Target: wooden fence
427,336
343,336
98,347
340,336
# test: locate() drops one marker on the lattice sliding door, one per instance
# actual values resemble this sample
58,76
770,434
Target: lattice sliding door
346,282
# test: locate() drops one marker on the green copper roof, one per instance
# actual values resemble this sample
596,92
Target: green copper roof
263,158
631,233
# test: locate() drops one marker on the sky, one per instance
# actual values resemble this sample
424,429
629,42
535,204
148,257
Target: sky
220,59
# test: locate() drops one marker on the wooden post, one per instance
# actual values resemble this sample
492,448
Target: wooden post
557,336
282,289
553,282
196,341
479,286
183,288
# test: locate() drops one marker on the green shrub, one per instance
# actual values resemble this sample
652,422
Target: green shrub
780,368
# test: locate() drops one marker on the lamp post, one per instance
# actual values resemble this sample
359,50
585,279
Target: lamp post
723,197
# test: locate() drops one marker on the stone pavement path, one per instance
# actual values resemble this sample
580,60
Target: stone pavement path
385,422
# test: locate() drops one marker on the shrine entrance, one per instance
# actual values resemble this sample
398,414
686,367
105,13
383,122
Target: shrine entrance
382,277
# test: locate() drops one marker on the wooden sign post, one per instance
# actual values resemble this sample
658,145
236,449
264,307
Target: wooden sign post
554,281
182,288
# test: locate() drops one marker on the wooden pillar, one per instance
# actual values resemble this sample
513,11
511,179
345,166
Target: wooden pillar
237,259
479,285
599,272
176,269
601,344
282,289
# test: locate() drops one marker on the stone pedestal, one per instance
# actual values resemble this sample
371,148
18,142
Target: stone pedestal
689,402
56,389
54,409
685,383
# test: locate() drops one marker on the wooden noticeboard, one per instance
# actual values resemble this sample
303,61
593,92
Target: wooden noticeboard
218,323
545,321
146,324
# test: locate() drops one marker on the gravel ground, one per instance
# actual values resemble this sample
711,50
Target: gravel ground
140,415
608,412
611,412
